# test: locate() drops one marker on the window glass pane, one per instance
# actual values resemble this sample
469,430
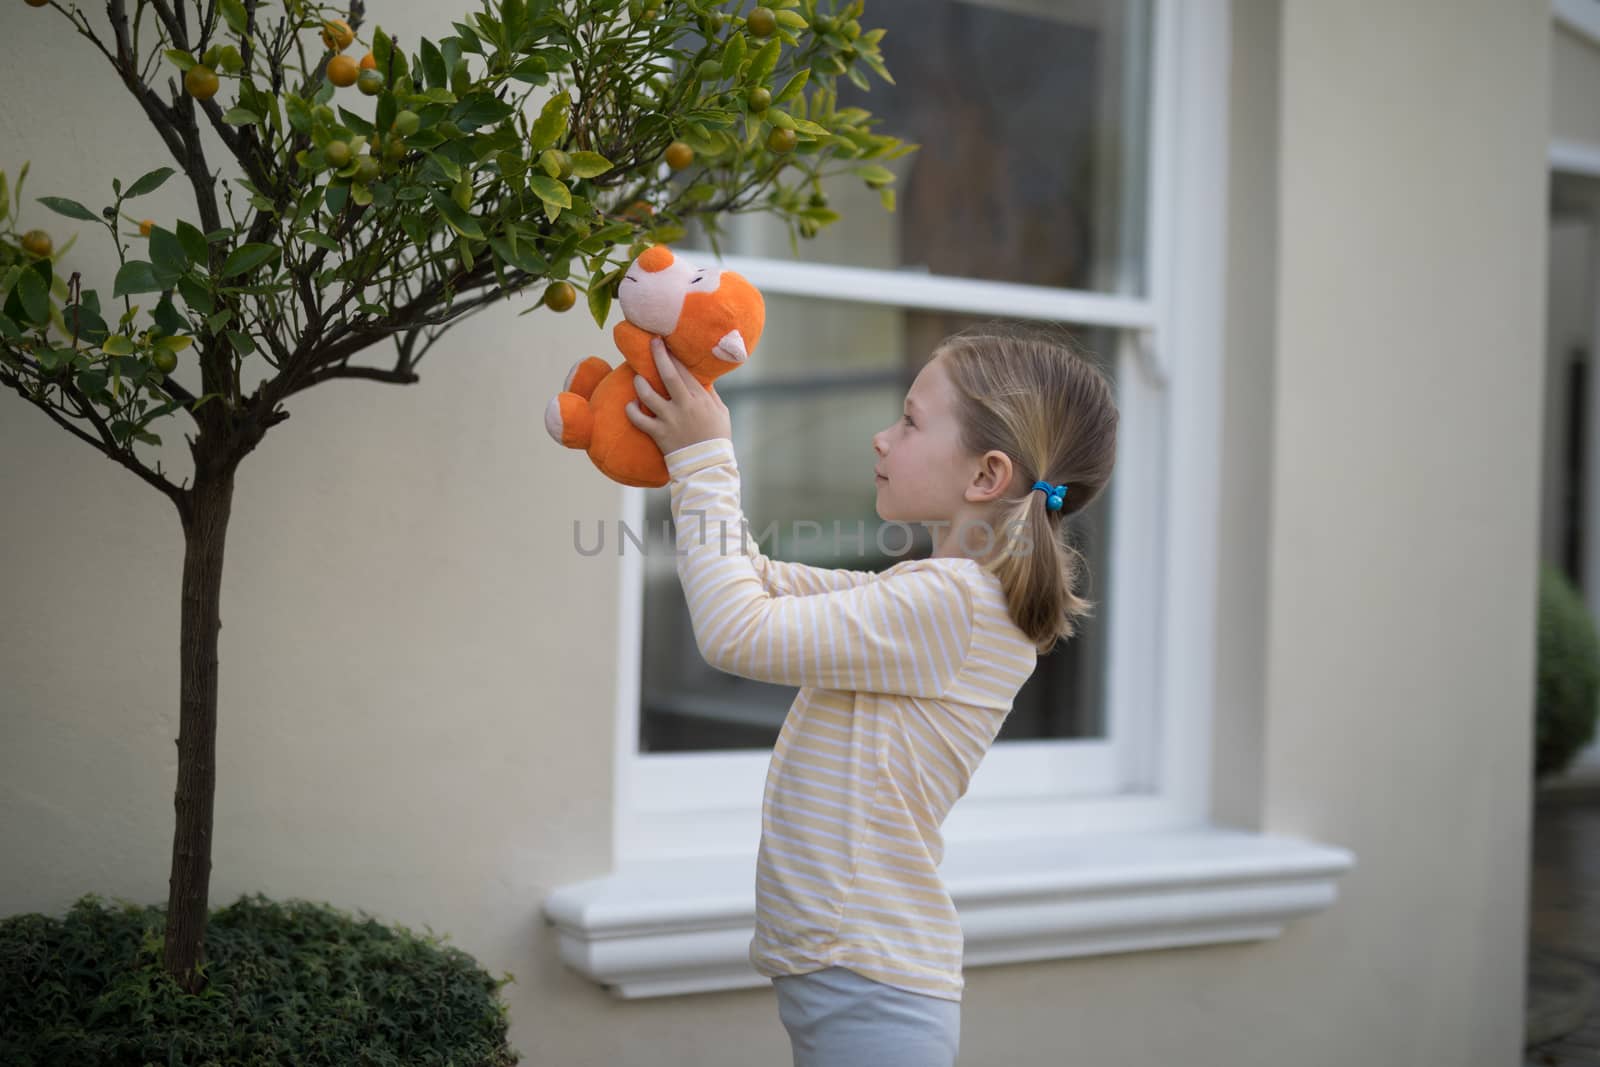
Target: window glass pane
1032,121
826,377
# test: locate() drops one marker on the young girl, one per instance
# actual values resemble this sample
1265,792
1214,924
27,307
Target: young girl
905,675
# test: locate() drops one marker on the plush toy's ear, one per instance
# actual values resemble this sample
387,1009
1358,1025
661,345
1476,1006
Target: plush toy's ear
731,347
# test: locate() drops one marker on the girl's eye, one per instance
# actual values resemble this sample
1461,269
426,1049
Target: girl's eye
908,420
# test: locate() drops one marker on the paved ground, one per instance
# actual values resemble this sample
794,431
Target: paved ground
1564,930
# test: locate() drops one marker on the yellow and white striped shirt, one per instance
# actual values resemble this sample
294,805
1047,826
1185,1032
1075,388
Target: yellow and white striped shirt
905,677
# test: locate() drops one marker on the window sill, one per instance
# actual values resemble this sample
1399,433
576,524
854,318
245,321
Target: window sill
684,926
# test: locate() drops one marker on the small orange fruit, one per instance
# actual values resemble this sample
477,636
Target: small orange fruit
367,169
370,82
166,362
762,22
369,61
36,242
639,211
201,81
337,153
781,140
679,155
342,71
560,296
337,35
144,227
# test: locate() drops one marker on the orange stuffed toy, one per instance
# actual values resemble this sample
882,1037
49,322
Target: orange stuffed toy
710,320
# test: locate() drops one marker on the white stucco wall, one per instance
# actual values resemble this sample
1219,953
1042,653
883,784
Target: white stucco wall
416,684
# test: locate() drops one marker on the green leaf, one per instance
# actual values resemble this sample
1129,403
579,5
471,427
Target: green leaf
600,299
175,343
481,109
733,55
70,208
167,255
234,12
148,183
523,256
194,243
352,120
793,86
84,319
167,317
248,257
241,116
762,65
136,276
118,345
589,164
181,59
32,292
551,125
433,69
242,343
219,320
321,240
458,220
534,70
360,194
92,382
874,174
195,294
549,190
792,19
299,113
446,166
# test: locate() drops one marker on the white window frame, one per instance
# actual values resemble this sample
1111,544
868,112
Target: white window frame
685,804
675,914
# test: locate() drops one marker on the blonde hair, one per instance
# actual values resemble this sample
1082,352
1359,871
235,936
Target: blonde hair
1034,395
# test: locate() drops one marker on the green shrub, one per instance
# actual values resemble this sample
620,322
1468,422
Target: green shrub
1568,674
296,983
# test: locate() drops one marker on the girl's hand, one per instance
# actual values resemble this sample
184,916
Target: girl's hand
690,414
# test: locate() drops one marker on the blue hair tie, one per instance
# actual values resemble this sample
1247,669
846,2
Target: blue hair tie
1056,495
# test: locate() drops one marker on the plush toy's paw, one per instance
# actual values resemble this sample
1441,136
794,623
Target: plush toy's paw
585,375
569,420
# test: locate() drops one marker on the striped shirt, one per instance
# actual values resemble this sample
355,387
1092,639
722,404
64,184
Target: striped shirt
905,677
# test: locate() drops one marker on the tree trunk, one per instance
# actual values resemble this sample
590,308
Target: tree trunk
205,527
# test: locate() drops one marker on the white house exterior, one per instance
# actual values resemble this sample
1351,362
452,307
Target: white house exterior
1295,828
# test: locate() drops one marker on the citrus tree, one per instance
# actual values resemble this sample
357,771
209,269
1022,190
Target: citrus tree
374,202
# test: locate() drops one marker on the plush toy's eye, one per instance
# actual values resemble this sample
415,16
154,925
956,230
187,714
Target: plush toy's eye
696,278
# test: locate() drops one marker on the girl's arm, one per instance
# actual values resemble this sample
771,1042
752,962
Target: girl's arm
782,578
907,633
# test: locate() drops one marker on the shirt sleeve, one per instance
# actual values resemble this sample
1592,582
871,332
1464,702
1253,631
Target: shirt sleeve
905,633
778,577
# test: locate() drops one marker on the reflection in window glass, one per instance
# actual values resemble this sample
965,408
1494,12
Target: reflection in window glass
826,377
1031,118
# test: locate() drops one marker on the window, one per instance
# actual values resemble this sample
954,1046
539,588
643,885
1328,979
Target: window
1089,833
1030,197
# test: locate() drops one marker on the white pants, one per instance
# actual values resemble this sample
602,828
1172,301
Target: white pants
837,1018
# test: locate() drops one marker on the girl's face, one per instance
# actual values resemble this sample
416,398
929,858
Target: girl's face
922,470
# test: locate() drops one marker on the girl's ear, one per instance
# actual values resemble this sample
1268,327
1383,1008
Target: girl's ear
994,476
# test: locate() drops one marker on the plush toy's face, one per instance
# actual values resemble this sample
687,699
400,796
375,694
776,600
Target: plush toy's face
707,315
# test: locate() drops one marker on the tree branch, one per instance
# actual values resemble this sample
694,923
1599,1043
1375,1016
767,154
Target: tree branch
127,459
